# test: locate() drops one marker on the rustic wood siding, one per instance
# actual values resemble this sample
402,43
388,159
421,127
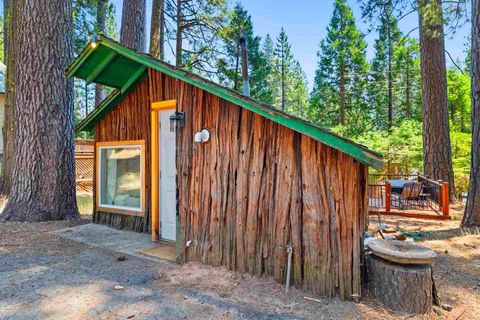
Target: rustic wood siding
257,187
129,120
253,189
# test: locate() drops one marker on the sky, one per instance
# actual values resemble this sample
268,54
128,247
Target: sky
306,21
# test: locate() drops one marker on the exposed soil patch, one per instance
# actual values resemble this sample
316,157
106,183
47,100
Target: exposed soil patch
46,277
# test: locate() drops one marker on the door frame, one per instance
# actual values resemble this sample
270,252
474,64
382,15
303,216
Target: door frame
155,108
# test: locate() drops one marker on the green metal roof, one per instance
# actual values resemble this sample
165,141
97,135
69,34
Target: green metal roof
107,62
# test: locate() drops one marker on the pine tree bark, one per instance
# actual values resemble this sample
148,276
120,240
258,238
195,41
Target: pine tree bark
436,128
408,112
132,32
342,95
10,9
471,218
390,75
157,29
101,28
283,78
43,180
179,37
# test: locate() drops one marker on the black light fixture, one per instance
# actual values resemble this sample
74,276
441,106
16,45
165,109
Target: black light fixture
177,120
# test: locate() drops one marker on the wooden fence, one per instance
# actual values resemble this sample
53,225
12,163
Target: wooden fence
84,162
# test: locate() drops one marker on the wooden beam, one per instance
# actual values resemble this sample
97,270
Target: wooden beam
154,177
407,214
446,199
388,196
164,105
100,67
133,78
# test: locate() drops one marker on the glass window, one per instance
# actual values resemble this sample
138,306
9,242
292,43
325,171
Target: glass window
120,176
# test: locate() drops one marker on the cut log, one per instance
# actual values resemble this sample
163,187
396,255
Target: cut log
402,288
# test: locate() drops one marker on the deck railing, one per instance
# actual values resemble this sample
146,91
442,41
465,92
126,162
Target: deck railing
417,196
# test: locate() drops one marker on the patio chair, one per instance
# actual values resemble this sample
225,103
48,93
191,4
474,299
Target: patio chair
411,195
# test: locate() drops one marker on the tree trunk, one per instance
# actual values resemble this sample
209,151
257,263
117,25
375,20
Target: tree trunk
471,218
402,288
43,180
342,95
390,76
436,129
101,28
132,33
178,46
408,112
10,9
157,29
283,78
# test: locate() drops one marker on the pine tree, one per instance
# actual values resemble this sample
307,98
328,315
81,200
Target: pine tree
43,179
230,73
437,152
198,24
471,218
101,28
10,9
339,90
284,64
272,80
381,93
157,29
133,30
297,92
408,92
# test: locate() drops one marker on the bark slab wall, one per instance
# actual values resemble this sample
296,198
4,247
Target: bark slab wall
129,120
253,189
257,187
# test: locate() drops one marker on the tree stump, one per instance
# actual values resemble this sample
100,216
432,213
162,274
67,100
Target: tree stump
402,288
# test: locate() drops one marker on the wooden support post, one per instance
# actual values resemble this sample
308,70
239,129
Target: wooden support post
154,177
440,194
445,199
388,196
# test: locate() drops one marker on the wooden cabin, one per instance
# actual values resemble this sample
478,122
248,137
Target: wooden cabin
231,180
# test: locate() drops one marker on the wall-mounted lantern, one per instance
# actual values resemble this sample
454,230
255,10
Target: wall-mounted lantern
177,120
202,136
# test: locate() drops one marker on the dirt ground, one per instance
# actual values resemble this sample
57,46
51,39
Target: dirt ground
46,277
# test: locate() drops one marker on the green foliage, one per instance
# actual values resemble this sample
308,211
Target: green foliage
272,81
292,93
85,20
459,102
297,92
461,152
229,67
202,23
2,39
407,84
401,147
341,53
271,66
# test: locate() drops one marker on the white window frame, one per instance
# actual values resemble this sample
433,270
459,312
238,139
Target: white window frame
114,208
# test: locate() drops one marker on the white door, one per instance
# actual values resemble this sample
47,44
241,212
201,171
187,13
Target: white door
167,172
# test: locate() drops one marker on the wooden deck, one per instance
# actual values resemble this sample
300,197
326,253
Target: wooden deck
430,202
